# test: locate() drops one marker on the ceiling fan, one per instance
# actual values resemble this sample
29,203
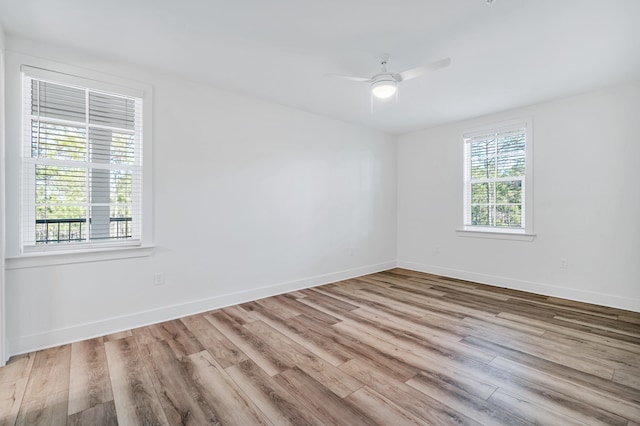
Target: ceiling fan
385,83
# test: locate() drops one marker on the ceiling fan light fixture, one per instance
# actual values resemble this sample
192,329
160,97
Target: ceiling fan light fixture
383,89
385,84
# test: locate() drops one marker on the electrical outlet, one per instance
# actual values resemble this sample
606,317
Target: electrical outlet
564,263
158,278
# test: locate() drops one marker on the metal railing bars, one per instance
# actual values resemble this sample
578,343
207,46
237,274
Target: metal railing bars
71,229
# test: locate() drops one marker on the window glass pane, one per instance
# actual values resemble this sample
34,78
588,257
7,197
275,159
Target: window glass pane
121,187
122,148
57,101
100,145
482,193
56,230
480,215
60,204
99,224
121,221
108,146
58,212
61,186
57,141
483,161
112,111
509,192
511,155
508,216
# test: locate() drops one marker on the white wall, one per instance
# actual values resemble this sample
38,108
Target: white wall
3,354
250,199
586,203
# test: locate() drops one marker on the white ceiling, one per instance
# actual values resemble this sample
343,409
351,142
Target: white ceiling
504,55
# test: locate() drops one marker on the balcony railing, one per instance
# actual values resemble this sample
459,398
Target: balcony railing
75,229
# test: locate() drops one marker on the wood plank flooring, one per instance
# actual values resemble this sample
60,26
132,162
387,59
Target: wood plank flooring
392,348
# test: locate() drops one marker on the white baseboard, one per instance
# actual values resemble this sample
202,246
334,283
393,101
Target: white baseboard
579,295
32,342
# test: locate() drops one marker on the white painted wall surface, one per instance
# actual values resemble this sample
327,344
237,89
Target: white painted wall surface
586,203
250,199
292,199
3,346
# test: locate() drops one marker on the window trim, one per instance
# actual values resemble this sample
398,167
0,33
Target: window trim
18,257
66,257
522,234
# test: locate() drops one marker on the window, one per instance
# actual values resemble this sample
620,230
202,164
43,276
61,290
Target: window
497,184
82,162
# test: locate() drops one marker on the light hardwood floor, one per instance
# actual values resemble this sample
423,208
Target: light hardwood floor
391,348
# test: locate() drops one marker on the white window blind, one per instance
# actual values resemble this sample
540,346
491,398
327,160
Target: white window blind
82,163
495,179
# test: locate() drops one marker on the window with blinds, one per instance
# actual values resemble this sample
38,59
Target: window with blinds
82,163
495,179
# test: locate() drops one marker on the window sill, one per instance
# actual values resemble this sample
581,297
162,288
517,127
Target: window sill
40,259
496,235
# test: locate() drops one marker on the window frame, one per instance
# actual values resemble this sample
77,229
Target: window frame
26,255
525,233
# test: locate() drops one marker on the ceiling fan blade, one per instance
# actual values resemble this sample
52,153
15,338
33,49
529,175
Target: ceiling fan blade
348,77
419,71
